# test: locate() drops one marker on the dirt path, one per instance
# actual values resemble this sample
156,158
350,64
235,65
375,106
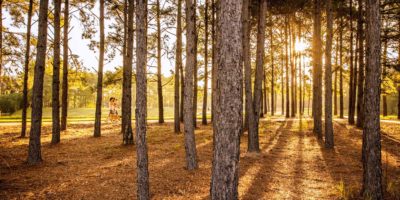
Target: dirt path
292,164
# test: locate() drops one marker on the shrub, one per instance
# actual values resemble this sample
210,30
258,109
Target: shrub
10,103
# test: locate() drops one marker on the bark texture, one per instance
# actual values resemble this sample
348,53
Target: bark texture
141,101
189,110
360,91
205,94
351,82
228,115
34,151
178,66
64,95
317,70
372,181
127,79
56,74
328,78
99,98
26,70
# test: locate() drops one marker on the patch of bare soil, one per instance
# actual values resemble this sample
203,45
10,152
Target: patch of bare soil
292,164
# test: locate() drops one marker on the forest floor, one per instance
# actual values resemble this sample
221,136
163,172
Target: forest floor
292,164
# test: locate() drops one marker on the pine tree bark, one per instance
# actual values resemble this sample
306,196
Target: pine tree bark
341,98
34,151
228,119
259,75
26,70
159,76
205,94
292,69
213,52
141,101
351,82
272,71
127,79
329,142
189,109
372,179
360,91
64,95
384,74
317,70
55,139
97,123
249,111
335,106
178,66
195,71
287,65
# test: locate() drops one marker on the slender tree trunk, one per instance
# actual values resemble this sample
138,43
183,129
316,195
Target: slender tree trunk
213,52
272,71
247,73
228,120
159,76
189,112
360,94
178,66
351,82
253,136
64,95
317,70
287,65
34,151
195,71
282,86
141,101
26,70
56,74
97,123
328,78
127,79
182,91
292,68
205,95
265,94
384,74
341,98
372,181
335,110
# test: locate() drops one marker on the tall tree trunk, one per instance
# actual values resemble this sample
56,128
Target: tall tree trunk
56,74
341,98
287,64
282,86
300,58
127,80
205,95
182,91
64,95
272,71
228,120
328,78
97,123
141,101
34,151
26,69
189,112
213,52
317,70
178,66
247,73
372,179
360,91
384,74
351,82
259,74
159,77
292,68
335,106
195,72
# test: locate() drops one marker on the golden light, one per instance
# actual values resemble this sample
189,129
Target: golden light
300,46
